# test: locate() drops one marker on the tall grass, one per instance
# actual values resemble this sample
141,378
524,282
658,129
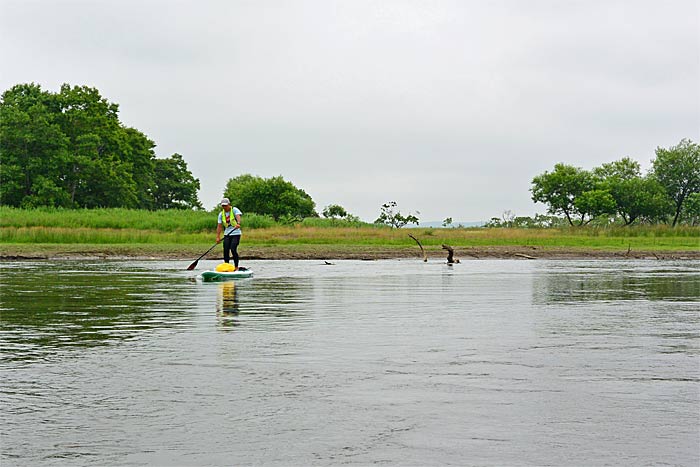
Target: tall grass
84,235
434,238
334,223
174,220
125,226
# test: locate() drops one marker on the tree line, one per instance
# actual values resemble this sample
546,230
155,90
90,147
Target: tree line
618,192
69,149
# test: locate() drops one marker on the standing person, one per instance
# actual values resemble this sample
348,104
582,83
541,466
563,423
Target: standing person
230,224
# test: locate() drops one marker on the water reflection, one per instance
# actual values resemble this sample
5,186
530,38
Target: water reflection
50,305
286,300
227,308
403,362
591,283
227,302
281,297
618,305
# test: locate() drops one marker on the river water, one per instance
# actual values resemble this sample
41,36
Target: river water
356,363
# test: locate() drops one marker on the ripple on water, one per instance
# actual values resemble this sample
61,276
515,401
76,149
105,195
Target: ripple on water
400,362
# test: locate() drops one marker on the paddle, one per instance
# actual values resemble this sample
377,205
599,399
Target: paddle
194,265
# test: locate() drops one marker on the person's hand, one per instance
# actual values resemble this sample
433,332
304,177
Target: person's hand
218,240
238,226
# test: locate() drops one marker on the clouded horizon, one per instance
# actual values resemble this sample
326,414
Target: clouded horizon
449,108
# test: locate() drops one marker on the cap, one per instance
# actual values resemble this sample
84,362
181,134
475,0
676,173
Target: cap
225,202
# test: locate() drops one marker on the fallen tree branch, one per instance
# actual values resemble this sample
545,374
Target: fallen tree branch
425,257
524,256
450,254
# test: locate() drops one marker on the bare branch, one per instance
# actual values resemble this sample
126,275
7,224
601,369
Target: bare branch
450,254
425,257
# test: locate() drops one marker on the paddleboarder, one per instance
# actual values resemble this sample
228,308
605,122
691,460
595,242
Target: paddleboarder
230,224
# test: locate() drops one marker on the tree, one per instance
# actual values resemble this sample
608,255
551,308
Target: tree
691,209
99,172
639,198
624,169
394,218
32,149
678,170
334,210
175,187
540,221
635,197
138,151
560,189
274,197
595,203
69,149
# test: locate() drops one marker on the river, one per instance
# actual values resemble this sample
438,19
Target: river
487,362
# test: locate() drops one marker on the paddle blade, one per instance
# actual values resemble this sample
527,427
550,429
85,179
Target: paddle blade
194,265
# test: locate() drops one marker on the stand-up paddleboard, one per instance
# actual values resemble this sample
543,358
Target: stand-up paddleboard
216,276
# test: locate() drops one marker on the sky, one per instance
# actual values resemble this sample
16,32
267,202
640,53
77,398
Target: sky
449,108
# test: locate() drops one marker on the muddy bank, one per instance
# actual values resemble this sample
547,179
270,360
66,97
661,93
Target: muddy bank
325,252
464,254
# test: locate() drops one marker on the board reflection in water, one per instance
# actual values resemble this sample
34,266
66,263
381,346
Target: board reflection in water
227,308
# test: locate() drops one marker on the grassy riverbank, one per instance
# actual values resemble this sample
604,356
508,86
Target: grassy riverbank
184,234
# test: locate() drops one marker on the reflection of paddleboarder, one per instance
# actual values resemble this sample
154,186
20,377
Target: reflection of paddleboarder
230,223
227,302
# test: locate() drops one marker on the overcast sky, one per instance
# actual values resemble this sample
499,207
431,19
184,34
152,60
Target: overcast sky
447,107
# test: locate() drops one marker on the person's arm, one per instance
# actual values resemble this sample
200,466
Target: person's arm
238,221
218,232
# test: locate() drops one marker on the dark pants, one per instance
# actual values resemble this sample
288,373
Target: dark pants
231,244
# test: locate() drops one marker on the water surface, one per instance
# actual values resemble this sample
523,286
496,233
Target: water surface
385,362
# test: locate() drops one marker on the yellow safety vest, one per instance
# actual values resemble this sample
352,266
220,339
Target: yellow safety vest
231,217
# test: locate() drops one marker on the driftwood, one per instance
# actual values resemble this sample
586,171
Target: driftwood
524,256
425,257
450,254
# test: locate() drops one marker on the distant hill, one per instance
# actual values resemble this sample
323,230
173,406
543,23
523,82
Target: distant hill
438,224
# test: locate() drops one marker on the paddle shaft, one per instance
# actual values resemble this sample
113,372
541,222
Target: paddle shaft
194,265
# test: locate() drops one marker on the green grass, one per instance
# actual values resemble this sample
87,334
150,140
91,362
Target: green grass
197,229
173,220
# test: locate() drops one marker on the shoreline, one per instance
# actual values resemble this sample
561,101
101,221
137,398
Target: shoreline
330,252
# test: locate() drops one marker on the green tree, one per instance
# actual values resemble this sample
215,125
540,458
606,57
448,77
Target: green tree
540,221
174,185
389,215
274,197
99,172
138,151
639,198
595,203
560,189
624,169
70,149
333,211
32,149
678,170
691,209
635,197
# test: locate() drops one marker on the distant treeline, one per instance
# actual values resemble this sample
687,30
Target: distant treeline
69,149
618,192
